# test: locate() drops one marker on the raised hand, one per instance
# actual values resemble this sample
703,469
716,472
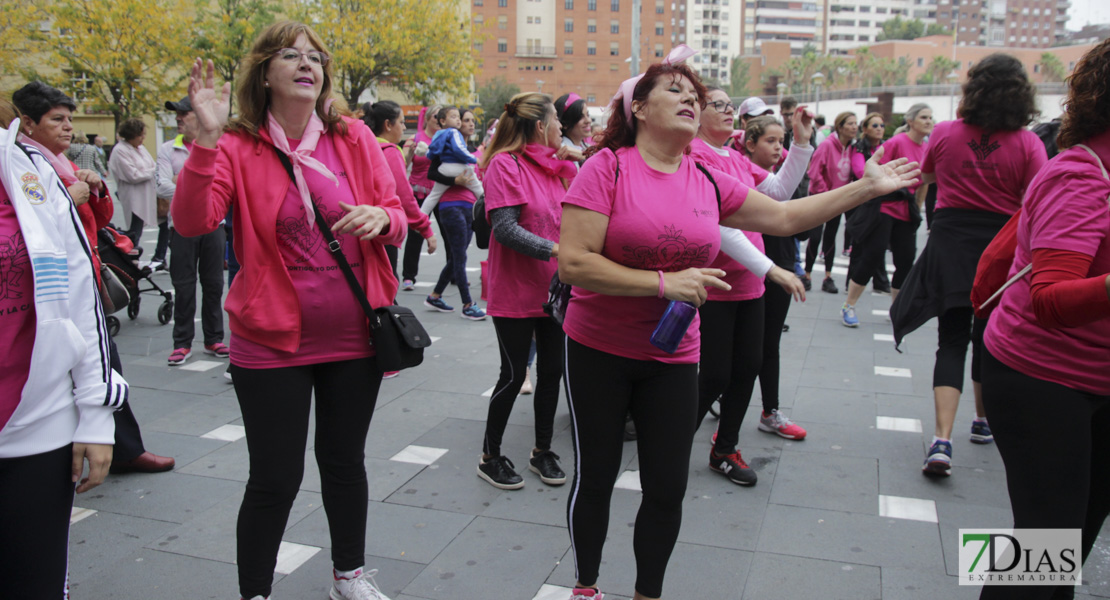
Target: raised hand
211,107
891,177
803,126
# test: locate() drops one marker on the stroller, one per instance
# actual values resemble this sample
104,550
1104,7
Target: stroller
117,255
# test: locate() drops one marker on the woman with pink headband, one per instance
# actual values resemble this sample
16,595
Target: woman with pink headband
575,123
640,227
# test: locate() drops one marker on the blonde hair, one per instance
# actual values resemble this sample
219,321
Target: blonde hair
8,112
252,94
517,124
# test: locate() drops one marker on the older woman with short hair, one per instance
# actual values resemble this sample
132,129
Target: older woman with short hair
133,167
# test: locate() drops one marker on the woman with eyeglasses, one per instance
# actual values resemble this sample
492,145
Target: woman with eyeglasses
732,320
891,221
871,135
830,168
982,164
309,336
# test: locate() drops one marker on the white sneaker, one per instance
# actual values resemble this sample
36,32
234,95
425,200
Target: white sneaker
360,587
527,387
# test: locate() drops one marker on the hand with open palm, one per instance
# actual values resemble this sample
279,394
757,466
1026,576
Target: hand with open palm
211,107
890,177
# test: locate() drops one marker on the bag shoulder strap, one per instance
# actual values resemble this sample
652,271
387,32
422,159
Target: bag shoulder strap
716,189
1096,157
336,251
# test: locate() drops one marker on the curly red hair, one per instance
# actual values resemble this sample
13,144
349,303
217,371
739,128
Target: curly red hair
1087,109
620,133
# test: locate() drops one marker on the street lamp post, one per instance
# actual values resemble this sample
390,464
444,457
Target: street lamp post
781,87
818,78
953,78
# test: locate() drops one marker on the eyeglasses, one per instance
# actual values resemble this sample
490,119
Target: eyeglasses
876,125
294,56
722,106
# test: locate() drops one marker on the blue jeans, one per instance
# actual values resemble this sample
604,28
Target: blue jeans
456,222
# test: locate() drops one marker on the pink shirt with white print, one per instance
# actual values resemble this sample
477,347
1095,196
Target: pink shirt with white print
17,305
745,284
333,324
901,146
517,283
657,221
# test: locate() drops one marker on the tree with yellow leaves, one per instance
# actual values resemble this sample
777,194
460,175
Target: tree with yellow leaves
126,57
420,48
227,29
16,23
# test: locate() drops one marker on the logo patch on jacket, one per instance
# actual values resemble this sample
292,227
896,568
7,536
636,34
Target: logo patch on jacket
32,188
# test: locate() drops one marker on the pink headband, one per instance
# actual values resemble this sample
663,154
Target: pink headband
677,55
571,99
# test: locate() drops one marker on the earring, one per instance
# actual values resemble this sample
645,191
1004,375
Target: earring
265,84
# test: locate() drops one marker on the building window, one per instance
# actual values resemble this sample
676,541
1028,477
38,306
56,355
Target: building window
568,25
591,4
529,20
613,66
591,48
478,3
591,66
615,5
478,47
658,7
614,49
502,64
503,3
502,22
658,29
591,26
590,99
568,4
568,66
502,45
659,51
568,47
537,20
614,26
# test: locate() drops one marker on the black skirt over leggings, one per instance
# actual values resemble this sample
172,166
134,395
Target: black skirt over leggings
601,389
869,252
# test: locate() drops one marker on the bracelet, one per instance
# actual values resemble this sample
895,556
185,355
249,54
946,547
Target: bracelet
660,283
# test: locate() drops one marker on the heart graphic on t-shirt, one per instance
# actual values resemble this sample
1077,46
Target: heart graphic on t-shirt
673,253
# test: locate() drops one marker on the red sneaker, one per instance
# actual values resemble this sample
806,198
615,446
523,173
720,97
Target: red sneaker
777,423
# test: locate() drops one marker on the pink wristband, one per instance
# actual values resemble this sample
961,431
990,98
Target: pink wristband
660,283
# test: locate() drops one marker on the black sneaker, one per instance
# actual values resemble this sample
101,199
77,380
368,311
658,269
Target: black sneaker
880,288
498,471
733,467
546,465
829,287
807,283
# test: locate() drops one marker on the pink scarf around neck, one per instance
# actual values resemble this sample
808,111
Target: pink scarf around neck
60,163
302,157
544,156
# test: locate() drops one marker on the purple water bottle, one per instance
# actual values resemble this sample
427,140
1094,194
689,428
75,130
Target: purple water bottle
672,327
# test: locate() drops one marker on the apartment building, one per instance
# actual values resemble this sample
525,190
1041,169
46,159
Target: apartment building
581,46
799,22
1005,23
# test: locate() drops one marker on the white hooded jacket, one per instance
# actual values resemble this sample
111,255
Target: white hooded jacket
71,390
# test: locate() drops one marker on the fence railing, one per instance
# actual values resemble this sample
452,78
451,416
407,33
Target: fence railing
936,89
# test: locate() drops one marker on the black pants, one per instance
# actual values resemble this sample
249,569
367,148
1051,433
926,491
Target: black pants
190,258
1055,467
455,221
776,304
35,504
163,241
129,440
958,328
233,265
731,358
514,337
414,243
275,405
662,398
135,231
825,236
869,253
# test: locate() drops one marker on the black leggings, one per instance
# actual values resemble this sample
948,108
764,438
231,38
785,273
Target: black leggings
514,337
958,327
275,404
1055,467
35,505
869,253
776,303
827,241
601,389
731,358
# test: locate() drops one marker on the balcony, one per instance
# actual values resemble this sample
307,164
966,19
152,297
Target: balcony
535,52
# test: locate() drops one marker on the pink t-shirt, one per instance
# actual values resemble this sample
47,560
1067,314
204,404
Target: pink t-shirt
979,170
420,164
17,305
745,284
831,166
657,221
901,146
333,324
1065,209
518,283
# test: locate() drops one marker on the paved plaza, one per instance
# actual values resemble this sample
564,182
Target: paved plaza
844,514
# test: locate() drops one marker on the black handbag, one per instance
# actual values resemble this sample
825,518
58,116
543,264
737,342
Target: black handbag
558,297
480,224
396,334
113,293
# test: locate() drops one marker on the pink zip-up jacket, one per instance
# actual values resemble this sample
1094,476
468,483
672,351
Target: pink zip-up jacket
831,166
245,171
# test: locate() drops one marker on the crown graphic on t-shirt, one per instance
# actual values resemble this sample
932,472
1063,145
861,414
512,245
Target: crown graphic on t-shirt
984,147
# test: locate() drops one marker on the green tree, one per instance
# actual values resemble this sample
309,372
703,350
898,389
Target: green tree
126,57
907,29
493,96
739,77
225,31
1052,69
16,20
938,70
420,48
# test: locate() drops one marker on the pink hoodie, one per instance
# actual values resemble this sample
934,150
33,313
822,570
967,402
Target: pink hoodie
831,166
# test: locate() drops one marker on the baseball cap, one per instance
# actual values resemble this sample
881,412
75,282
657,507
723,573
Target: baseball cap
183,105
754,106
